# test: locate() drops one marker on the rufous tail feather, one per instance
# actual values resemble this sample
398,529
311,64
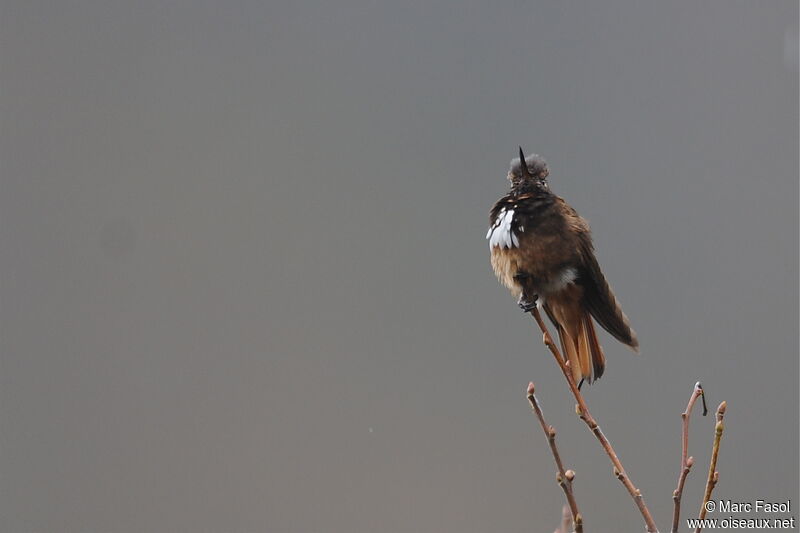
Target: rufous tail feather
578,338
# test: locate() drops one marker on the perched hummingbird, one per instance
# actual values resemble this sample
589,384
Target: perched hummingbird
542,252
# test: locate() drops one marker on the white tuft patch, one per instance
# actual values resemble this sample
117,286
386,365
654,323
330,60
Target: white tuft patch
565,277
501,233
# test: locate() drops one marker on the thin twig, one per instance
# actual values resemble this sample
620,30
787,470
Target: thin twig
563,477
713,475
583,412
686,461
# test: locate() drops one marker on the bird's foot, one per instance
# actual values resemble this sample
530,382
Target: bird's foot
526,304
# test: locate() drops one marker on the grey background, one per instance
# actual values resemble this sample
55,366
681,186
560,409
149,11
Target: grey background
245,285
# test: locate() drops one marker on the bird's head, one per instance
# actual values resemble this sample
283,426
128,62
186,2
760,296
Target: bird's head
529,172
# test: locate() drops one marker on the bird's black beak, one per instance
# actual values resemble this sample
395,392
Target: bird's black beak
522,165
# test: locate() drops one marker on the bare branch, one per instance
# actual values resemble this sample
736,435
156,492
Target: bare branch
686,461
563,477
583,412
713,475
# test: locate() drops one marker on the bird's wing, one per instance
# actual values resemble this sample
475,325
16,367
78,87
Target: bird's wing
600,299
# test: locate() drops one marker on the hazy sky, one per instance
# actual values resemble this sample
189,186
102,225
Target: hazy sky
244,283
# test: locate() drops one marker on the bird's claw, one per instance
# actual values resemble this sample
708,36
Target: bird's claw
526,304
